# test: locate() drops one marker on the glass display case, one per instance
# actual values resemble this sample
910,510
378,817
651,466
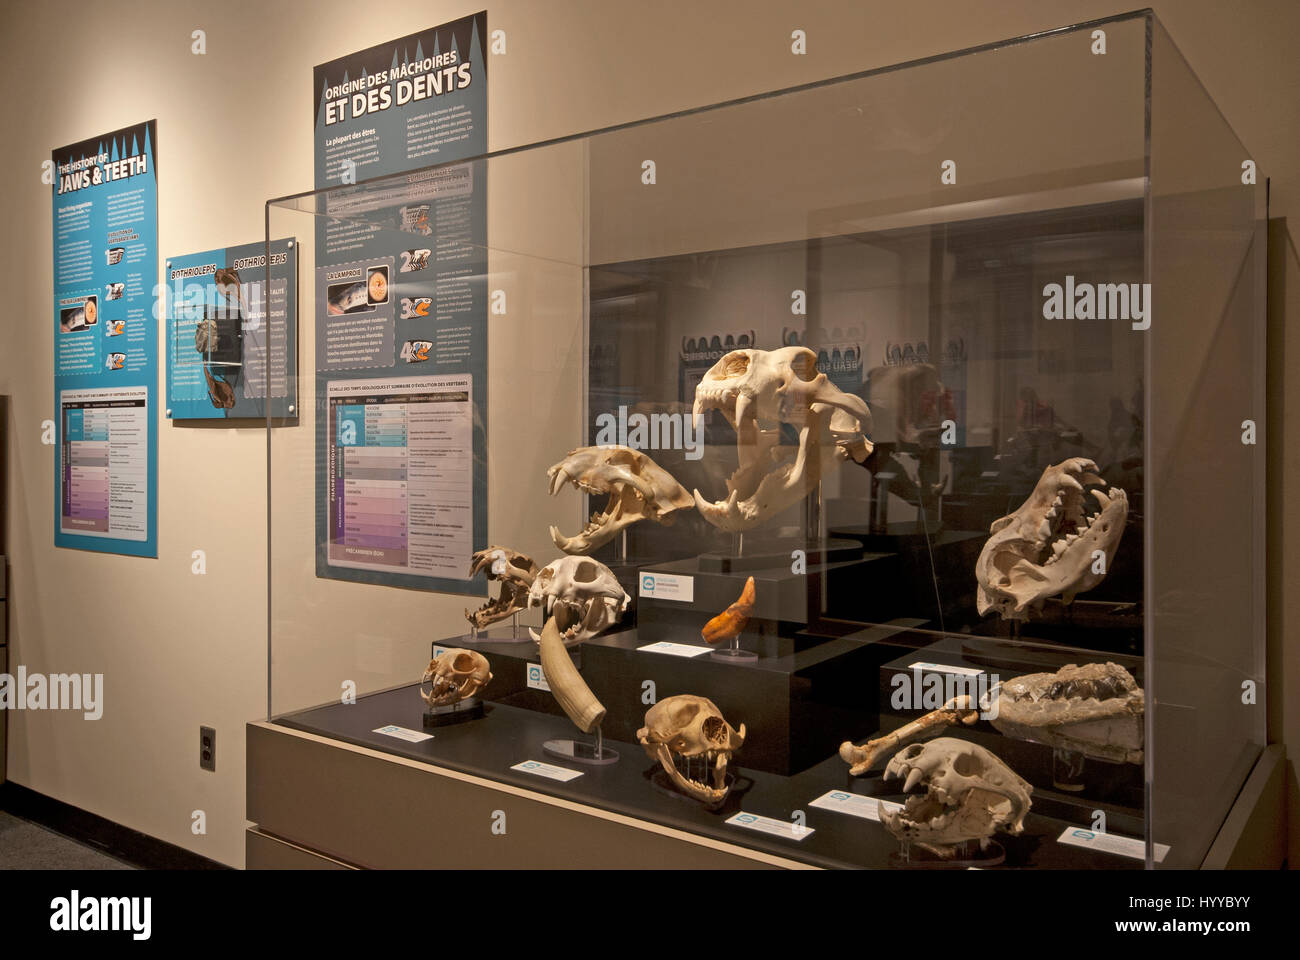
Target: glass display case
869,472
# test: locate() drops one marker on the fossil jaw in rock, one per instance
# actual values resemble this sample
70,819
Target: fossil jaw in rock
1096,709
1054,544
969,794
638,488
758,391
515,572
688,735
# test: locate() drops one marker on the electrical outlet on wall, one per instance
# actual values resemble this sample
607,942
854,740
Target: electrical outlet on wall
208,748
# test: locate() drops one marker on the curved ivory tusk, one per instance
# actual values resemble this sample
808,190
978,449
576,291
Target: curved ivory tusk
570,690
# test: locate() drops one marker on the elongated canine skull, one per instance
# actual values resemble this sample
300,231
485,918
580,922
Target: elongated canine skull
638,489
757,391
1052,545
457,675
688,735
581,594
969,795
1096,709
514,571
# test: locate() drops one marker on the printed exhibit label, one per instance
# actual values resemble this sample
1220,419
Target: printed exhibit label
854,804
785,829
667,586
674,649
1133,847
539,769
403,733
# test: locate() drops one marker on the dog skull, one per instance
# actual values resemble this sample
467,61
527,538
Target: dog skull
1051,545
757,391
583,596
638,489
969,795
457,675
682,728
515,572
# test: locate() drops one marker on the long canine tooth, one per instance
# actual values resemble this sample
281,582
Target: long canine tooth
914,777
1101,498
743,402
1044,530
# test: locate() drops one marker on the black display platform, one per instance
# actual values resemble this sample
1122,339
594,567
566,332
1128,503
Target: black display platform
799,699
507,736
834,582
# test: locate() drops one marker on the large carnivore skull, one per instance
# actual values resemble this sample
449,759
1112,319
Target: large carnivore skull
1050,545
456,675
515,572
688,734
1096,709
969,795
581,594
757,391
638,489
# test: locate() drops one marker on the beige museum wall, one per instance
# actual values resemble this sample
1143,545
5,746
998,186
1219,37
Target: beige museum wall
179,650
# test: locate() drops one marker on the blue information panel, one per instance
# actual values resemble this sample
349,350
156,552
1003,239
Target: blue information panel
400,307
232,342
105,342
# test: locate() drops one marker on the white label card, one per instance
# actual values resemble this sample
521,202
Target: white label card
674,649
402,733
854,804
944,668
667,586
539,769
778,828
1110,843
536,678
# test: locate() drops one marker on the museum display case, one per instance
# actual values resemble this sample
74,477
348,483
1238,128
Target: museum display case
868,473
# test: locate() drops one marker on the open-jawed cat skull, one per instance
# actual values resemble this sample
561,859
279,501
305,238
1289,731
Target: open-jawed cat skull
757,391
969,795
514,570
638,489
1096,709
1052,545
582,595
688,734
457,675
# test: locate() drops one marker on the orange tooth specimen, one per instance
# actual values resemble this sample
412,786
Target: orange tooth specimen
728,624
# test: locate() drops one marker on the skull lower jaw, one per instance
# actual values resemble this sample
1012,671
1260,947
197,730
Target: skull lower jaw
625,508
511,601
767,481
711,796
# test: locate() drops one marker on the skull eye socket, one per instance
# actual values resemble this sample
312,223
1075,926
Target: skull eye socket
912,752
624,458
585,572
804,365
735,364
715,729
968,765
463,663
